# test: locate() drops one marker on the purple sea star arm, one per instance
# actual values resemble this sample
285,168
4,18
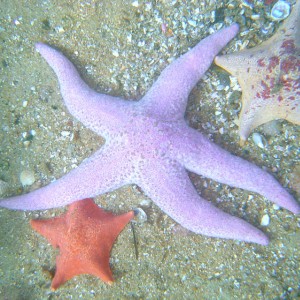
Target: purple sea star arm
103,172
99,112
201,156
168,96
169,186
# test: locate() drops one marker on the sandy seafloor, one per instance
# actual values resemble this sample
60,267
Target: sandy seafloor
119,48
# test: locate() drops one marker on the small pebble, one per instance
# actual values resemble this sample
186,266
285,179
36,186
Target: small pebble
59,29
146,202
65,133
27,177
255,17
26,144
135,3
265,220
115,53
192,23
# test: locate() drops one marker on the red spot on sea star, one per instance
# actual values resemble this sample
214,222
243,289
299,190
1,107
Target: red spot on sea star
261,62
291,63
266,90
288,46
273,62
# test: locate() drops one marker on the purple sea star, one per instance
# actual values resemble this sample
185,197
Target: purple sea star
149,143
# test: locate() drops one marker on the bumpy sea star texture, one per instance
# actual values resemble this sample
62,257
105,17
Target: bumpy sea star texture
149,143
269,75
84,235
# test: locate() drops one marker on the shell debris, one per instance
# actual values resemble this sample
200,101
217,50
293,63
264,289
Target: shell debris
265,220
280,11
259,140
27,177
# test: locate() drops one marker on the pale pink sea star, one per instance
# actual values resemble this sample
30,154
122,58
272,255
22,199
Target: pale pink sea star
148,143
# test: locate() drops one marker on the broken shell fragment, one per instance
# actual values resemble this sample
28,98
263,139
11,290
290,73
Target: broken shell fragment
27,177
259,140
141,216
280,11
265,220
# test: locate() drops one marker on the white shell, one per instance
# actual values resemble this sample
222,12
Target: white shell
259,140
280,11
146,202
141,216
265,220
27,177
